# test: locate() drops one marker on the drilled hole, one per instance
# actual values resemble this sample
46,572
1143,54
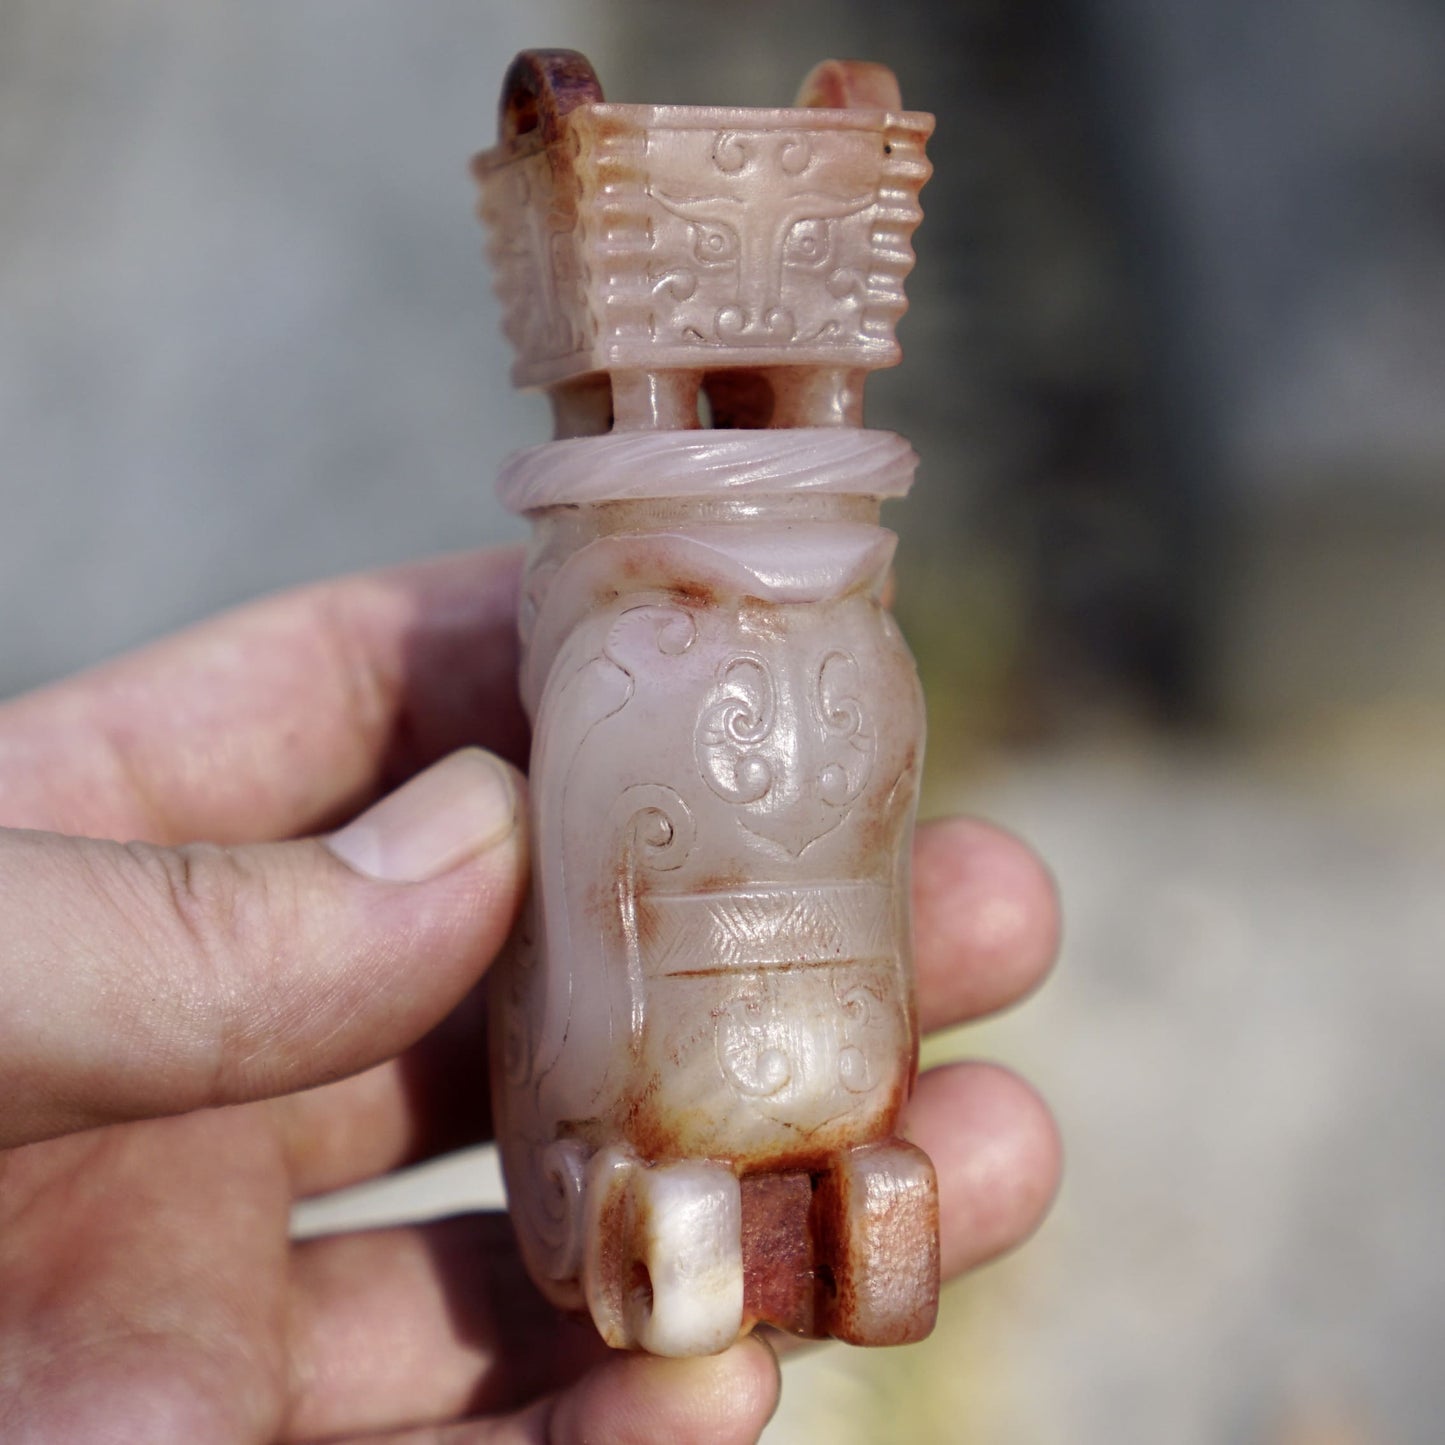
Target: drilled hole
522,113
639,1287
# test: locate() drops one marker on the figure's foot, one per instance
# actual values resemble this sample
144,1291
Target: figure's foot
663,1265
875,1222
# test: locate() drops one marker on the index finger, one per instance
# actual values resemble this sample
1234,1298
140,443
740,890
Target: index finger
277,719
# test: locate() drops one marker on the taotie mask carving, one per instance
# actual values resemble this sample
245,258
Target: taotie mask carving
765,246
783,738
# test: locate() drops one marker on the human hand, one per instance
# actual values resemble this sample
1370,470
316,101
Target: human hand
194,1037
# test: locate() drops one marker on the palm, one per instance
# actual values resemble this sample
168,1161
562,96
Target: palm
155,1252
149,1290
158,1253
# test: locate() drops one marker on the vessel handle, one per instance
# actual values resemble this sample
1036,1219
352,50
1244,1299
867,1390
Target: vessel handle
850,85
541,88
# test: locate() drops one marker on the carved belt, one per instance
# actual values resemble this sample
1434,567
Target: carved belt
764,926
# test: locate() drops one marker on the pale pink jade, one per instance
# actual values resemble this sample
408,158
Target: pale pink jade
703,1034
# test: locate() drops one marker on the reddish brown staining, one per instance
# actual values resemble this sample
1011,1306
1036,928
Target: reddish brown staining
877,1250
638,568
646,921
541,88
812,1153
828,1226
609,125
917,1232
724,880
876,833
850,85
615,1247
694,594
763,619
896,1095
779,1279
656,1132
903,1244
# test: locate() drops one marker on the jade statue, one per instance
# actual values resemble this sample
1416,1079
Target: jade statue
704,1033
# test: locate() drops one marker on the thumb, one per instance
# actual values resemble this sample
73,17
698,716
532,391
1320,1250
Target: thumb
139,981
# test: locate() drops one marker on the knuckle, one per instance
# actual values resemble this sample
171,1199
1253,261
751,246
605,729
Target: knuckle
195,892
215,923
370,696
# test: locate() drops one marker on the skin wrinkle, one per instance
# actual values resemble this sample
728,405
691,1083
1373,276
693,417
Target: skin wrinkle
249,1027
199,886
210,1009
146,806
94,1012
412,1100
38,730
327,1009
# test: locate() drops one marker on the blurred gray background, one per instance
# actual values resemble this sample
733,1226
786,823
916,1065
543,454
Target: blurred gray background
1174,568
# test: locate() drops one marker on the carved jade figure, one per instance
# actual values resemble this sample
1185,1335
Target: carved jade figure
704,1032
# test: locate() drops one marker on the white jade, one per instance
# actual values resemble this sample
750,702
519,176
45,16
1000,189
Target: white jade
703,1032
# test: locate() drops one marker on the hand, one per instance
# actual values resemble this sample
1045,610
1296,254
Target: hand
193,1037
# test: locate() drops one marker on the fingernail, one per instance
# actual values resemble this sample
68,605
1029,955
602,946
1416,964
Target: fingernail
460,807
